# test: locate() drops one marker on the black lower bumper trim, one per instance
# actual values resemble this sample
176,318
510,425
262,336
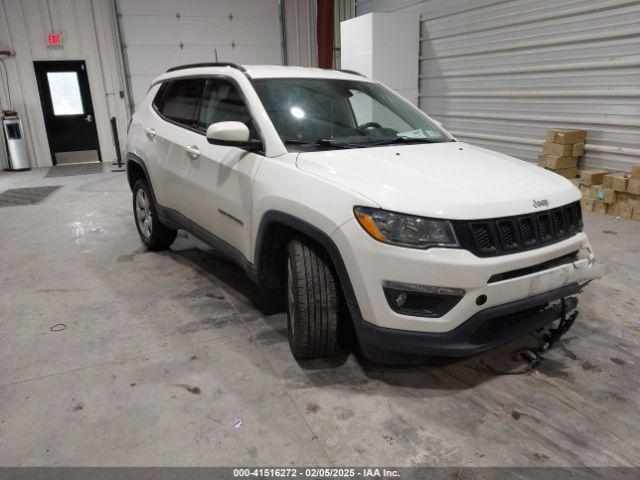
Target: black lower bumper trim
485,330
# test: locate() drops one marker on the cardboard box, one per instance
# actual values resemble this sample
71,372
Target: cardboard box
593,177
566,136
606,195
625,210
613,209
586,190
633,186
599,207
616,181
577,182
542,160
607,180
555,162
587,204
635,215
578,150
565,172
635,171
550,148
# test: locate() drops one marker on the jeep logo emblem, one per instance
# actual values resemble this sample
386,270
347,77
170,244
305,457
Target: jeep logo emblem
540,203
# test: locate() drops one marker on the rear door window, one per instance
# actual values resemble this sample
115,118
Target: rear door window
181,101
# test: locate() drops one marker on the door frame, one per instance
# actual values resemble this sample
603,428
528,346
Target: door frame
42,89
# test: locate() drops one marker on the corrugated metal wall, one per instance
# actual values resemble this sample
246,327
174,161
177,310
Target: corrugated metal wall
499,73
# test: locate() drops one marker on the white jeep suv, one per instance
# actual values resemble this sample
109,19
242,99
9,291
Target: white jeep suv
335,186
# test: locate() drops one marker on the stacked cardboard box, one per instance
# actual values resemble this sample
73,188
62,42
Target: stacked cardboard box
561,151
616,194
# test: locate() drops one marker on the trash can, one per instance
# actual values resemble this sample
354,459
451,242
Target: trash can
17,154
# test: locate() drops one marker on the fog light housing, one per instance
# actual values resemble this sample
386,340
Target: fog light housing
401,299
421,300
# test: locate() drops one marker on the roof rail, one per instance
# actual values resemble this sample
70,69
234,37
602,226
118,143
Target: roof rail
353,72
213,64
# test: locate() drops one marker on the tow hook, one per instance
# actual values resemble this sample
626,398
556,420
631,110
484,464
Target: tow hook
534,355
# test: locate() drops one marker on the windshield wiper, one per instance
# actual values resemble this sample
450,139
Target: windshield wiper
328,142
325,142
395,140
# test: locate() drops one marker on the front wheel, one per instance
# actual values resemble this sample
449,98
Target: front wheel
312,306
154,235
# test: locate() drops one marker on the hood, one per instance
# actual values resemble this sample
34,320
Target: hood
453,180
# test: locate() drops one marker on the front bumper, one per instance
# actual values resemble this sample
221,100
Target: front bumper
370,264
485,330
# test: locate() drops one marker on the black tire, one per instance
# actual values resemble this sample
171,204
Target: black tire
152,233
312,300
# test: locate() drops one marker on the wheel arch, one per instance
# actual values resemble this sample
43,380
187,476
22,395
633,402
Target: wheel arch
137,169
276,228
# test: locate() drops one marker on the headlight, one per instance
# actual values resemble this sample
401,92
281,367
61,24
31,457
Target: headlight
406,230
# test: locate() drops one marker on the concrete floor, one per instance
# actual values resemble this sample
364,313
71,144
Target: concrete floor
161,353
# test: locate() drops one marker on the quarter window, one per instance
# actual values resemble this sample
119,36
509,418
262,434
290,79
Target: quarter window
182,99
158,100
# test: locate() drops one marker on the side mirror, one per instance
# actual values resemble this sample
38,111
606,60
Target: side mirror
232,134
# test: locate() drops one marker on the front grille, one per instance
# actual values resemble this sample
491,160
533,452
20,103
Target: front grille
501,236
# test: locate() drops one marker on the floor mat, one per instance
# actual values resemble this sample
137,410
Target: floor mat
74,169
16,197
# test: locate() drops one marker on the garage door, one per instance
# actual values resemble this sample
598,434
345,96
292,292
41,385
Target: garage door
499,73
159,34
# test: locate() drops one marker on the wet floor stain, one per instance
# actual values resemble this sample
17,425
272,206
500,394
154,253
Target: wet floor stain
210,323
618,361
569,353
588,366
77,407
272,336
345,414
516,415
252,451
609,232
189,388
124,258
216,295
540,457
312,407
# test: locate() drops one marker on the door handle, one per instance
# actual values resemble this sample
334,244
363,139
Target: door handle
151,133
88,118
192,151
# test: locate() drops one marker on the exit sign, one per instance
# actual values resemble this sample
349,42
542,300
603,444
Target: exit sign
54,39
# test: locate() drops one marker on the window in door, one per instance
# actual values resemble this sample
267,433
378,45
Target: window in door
65,93
222,102
182,99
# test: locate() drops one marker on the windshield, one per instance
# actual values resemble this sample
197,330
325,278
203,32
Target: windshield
315,113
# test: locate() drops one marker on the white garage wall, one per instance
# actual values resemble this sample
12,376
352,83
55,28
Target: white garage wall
159,34
87,29
499,73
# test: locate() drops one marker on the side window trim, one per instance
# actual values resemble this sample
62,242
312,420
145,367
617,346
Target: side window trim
231,80
161,95
235,85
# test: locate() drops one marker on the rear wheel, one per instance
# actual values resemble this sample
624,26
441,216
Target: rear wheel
312,306
154,235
